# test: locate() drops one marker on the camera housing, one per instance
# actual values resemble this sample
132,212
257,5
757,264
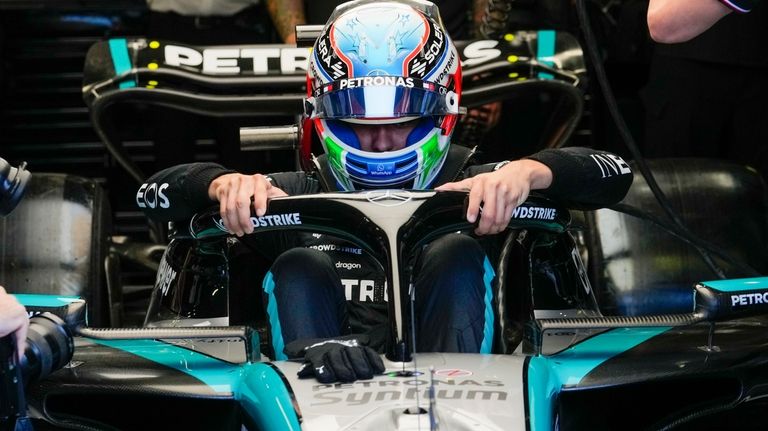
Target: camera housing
12,183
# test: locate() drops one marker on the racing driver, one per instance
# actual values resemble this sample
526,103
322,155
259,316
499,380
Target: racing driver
384,84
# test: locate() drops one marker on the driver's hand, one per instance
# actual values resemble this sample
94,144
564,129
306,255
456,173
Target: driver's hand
344,359
13,320
234,193
494,195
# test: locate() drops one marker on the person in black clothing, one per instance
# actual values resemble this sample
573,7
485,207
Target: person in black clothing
384,93
682,20
706,96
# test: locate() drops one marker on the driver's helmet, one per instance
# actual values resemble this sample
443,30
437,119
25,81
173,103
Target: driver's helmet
381,62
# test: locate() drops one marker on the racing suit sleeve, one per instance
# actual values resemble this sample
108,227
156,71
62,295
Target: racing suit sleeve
582,178
178,192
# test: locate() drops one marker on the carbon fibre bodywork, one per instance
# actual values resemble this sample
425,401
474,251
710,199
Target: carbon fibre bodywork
697,372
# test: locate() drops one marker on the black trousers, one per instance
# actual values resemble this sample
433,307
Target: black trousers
453,311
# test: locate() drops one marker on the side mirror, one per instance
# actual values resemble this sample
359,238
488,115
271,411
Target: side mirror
731,299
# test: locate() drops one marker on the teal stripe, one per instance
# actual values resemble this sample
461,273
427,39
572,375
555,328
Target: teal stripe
257,386
738,284
546,50
488,277
118,48
220,376
264,392
278,344
36,300
548,374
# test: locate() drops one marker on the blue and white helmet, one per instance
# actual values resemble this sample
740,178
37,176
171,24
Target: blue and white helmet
384,62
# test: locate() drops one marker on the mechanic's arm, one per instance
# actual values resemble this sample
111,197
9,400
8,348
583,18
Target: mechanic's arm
13,320
675,21
478,12
286,15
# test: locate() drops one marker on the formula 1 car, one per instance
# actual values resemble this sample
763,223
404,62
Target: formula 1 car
573,369
561,364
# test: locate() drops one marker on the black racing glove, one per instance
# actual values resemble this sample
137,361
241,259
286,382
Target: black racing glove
343,359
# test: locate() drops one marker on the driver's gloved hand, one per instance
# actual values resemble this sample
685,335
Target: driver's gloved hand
342,359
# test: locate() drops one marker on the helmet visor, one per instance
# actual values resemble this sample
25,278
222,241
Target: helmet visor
383,97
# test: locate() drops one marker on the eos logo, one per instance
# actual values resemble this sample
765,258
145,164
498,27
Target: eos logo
227,61
151,196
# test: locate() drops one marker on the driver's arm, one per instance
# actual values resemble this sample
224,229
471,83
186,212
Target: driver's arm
237,194
578,177
178,192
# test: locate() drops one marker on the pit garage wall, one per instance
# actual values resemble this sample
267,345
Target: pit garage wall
43,119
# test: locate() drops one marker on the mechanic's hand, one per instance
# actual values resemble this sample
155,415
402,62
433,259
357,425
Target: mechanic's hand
234,193
13,320
339,360
494,195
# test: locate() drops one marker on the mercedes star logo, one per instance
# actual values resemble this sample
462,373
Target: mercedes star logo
389,198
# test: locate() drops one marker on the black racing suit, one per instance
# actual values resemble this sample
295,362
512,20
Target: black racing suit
320,287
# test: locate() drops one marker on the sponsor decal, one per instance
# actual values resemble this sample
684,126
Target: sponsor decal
368,81
480,51
366,290
611,165
355,394
453,372
348,265
334,247
378,169
535,213
152,195
422,64
330,63
165,276
291,219
745,299
233,61
447,68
